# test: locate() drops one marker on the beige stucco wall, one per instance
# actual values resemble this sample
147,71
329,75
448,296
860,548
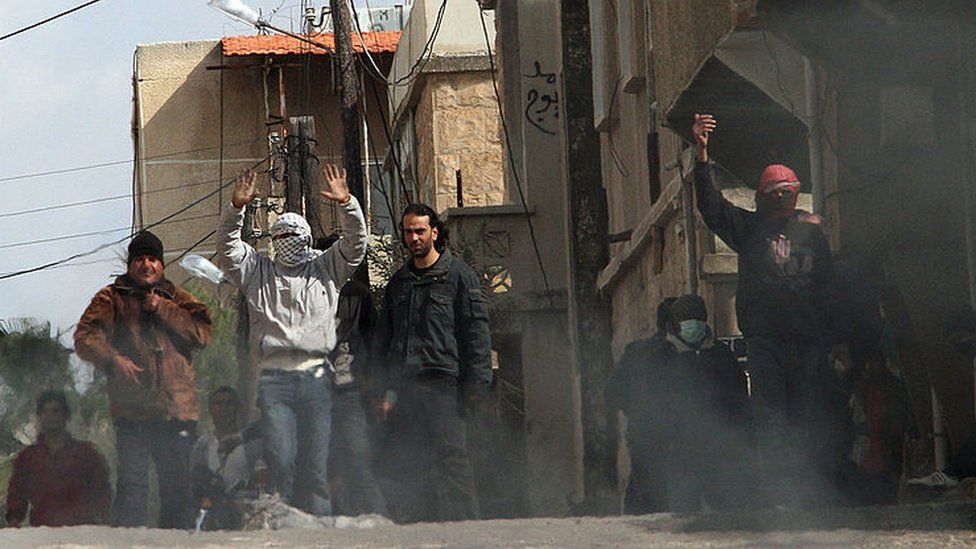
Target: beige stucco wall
184,114
683,35
460,34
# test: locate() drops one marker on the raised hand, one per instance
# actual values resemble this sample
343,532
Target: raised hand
704,125
335,178
244,189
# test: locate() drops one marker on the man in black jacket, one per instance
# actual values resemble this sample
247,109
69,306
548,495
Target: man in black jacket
781,304
687,410
625,392
433,358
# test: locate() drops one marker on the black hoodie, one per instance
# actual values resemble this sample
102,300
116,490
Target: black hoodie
784,265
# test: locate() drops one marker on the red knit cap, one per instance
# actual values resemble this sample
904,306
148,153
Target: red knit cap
776,173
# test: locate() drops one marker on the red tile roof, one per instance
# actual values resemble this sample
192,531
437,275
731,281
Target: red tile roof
277,44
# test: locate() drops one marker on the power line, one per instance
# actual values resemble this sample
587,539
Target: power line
192,246
48,20
106,199
511,156
115,163
72,257
417,68
93,233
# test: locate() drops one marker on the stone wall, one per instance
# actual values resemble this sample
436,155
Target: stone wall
466,135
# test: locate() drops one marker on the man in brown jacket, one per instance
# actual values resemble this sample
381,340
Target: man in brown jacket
140,332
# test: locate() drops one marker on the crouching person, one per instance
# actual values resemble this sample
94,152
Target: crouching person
292,301
64,481
226,465
140,331
703,404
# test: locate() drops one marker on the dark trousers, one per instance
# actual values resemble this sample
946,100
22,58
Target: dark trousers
963,464
428,435
646,488
797,429
168,443
296,419
350,462
716,473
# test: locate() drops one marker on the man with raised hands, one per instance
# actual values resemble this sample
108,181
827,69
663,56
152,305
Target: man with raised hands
292,301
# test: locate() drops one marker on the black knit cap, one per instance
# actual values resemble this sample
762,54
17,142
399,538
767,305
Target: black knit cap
145,243
688,307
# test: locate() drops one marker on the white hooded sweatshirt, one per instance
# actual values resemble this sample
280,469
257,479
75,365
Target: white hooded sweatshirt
292,308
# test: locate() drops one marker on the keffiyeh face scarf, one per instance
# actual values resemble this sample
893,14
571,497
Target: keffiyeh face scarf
295,249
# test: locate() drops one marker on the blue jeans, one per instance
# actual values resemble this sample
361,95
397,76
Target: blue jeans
296,419
168,443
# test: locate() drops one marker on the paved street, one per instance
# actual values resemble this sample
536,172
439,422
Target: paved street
907,526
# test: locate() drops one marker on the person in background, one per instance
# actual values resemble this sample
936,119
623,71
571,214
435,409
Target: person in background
141,332
702,392
62,480
354,489
227,463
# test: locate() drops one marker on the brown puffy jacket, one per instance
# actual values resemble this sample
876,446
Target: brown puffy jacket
161,343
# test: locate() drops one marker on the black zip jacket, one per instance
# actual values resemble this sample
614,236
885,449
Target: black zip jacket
680,398
434,323
784,265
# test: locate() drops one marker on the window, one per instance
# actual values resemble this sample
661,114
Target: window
630,40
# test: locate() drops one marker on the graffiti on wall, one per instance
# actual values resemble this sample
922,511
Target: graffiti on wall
542,100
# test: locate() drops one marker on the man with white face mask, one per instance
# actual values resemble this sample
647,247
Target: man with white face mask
292,303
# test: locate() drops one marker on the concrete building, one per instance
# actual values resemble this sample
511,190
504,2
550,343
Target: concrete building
205,111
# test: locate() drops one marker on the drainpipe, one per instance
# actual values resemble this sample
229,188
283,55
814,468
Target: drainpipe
939,441
690,222
814,150
966,96
139,145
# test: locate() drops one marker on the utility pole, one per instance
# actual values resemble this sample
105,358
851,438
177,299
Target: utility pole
586,225
348,89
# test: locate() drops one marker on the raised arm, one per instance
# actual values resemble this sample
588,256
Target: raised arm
342,258
238,258
722,217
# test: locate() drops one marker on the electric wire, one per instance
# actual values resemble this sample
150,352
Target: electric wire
101,247
105,199
511,158
114,163
422,60
388,131
48,20
193,246
94,233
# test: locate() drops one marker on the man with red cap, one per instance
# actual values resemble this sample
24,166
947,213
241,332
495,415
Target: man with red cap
781,305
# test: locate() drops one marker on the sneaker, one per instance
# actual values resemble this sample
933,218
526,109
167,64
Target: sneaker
937,479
